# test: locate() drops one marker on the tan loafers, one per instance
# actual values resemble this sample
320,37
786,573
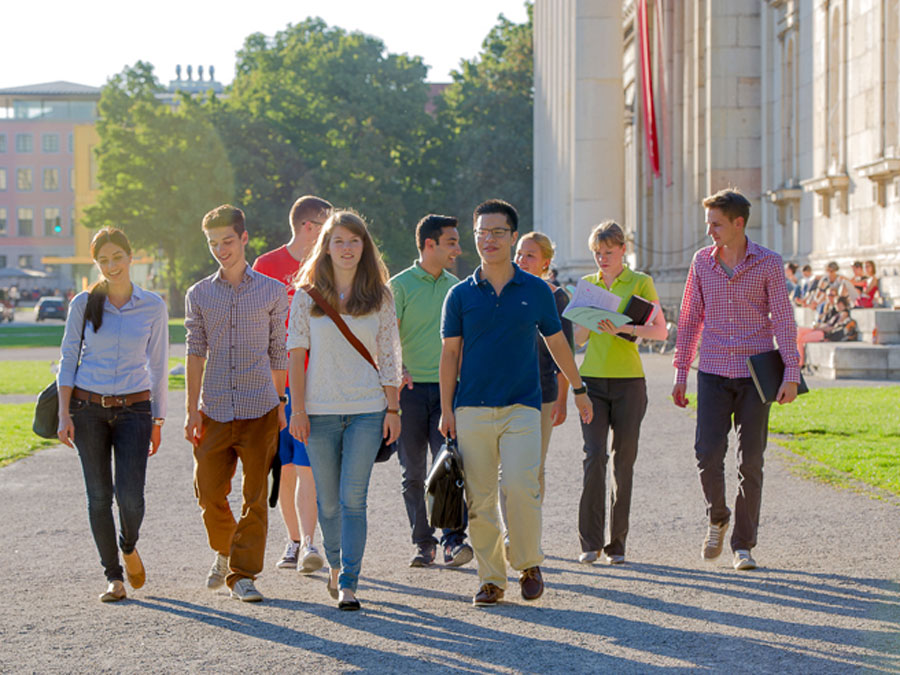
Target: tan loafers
114,592
134,569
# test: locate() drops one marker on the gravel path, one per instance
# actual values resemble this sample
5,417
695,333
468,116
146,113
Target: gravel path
825,599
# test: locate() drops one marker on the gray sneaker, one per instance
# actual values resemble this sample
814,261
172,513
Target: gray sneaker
217,573
743,560
245,591
310,558
715,540
457,555
289,559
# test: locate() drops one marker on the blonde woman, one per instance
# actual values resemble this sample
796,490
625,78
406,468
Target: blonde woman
614,376
343,406
534,255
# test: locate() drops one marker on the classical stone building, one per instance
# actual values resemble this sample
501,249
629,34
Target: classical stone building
796,102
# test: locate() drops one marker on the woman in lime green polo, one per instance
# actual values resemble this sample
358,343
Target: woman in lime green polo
614,376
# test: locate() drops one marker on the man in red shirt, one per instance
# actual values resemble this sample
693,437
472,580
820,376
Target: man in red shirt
736,296
297,491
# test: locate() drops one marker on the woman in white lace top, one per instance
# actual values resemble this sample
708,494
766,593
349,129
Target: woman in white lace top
342,405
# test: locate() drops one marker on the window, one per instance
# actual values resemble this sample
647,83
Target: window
52,222
71,143
2,180
51,180
2,142
3,218
24,180
72,179
50,142
2,262
25,262
24,143
25,218
72,219
92,169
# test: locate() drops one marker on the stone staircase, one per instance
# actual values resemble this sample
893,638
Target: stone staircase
865,359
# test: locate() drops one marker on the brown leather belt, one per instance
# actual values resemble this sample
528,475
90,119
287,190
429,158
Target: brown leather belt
111,401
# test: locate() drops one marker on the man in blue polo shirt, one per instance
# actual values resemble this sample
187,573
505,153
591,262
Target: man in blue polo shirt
489,329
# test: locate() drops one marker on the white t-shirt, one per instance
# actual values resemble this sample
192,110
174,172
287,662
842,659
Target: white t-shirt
339,381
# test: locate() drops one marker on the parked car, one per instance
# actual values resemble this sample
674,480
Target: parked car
50,307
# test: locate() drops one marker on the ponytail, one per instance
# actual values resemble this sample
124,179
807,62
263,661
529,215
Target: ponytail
93,312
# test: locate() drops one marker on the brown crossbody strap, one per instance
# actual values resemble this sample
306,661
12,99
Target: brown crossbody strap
340,323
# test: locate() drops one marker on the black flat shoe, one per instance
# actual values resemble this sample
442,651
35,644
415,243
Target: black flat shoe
348,605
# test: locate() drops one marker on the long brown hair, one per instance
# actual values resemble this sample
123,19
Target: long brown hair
369,288
93,312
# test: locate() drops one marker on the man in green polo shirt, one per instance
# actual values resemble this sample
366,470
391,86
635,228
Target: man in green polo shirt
419,293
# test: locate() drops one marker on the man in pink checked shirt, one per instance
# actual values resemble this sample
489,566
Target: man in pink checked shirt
736,296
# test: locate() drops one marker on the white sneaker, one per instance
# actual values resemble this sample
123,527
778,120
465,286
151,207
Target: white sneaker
715,540
217,573
743,560
588,557
310,559
245,591
289,559
613,558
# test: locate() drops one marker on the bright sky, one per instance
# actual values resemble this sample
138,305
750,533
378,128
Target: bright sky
86,41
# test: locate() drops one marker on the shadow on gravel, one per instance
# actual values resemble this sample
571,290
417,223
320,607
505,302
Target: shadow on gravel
861,598
446,638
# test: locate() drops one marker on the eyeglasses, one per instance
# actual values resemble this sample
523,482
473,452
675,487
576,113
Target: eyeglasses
495,232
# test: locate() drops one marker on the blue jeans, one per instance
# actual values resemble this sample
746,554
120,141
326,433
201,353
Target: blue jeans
342,451
101,434
421,413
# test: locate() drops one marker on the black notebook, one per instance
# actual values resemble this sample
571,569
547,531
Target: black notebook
639,311
767,371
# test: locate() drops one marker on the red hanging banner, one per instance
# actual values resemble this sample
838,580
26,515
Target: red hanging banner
647,87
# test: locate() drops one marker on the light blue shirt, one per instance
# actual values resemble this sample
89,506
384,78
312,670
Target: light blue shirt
130,353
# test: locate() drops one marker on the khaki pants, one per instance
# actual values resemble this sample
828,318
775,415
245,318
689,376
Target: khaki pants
255,443
489,437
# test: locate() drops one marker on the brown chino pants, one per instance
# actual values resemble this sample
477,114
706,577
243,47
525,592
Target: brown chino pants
255,443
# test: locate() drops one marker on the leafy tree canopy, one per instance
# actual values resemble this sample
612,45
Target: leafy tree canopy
160,168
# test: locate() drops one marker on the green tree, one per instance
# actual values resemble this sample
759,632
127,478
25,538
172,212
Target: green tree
487,118
338,116
160,168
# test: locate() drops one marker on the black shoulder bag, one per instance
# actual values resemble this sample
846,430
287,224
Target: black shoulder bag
46,410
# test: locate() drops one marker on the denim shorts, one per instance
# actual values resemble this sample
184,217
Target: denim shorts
290,450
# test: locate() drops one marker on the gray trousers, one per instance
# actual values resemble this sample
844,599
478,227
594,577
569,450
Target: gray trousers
619,404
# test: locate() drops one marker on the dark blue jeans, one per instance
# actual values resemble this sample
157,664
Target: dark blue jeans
718,400
421,407
100,435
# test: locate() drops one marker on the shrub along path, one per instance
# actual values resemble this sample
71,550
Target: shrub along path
825,599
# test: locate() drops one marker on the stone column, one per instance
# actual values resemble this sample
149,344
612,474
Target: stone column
579,124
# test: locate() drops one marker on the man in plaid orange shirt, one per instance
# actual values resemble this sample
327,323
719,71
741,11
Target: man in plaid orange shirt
736,296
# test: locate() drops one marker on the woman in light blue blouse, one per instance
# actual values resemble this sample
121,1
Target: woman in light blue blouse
113,403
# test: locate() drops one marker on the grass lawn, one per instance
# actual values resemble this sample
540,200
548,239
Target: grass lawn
50,335
17,440
30,377
851,433
845,433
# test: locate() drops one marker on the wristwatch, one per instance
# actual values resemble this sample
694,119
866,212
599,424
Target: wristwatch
159,421
282,398
580,390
